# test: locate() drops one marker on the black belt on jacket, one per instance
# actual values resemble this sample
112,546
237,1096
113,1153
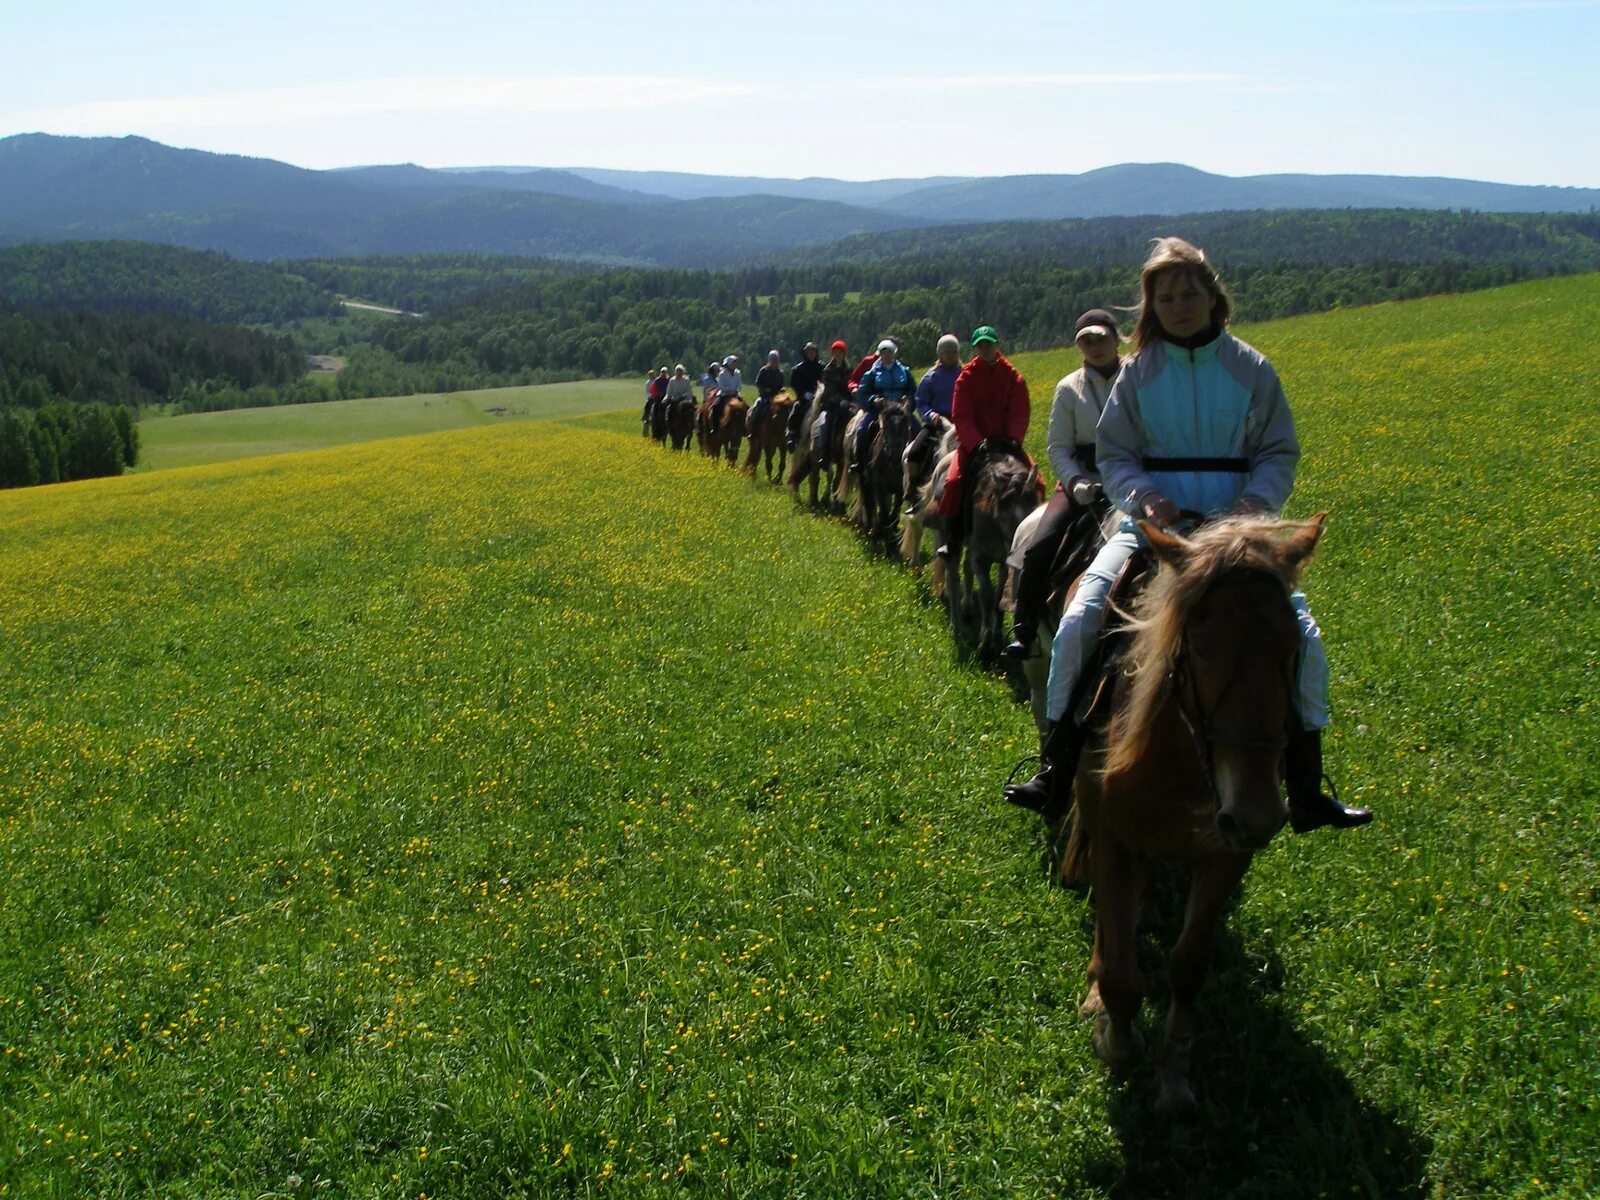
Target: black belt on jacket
1084,453
1237,466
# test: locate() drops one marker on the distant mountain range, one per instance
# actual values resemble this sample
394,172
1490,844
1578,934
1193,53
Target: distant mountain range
1130,189
55,188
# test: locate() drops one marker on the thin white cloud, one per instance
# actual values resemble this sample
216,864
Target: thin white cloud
1001,81
377,97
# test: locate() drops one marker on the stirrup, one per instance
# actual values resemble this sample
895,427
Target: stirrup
1019,649
1327,809
1038,794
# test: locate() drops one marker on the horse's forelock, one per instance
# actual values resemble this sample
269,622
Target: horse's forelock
1001,481
1162,613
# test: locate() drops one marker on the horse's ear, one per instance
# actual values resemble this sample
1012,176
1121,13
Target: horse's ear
1303,541
1167,547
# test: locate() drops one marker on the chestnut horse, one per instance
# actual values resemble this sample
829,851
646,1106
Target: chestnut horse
1190,769
768,438
729,431
723,436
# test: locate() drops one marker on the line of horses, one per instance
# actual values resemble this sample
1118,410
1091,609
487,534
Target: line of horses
1005,489
1186,722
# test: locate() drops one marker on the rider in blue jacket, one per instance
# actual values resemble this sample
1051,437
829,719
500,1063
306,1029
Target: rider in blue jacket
935,399
886,379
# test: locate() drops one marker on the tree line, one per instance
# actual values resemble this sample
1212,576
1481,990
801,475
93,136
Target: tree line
151,279
71,382
61,442
168,325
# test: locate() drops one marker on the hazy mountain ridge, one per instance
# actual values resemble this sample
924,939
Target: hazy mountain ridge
1154,189
86,188
55,188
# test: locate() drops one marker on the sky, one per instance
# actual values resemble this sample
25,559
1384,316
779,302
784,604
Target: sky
1505,90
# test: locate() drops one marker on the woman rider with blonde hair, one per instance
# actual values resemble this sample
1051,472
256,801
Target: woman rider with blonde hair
1196,422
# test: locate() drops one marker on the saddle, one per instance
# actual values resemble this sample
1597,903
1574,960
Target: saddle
1084,536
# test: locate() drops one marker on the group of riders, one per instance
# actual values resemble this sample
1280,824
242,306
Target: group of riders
1191,424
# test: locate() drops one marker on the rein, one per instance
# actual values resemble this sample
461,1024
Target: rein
1204,734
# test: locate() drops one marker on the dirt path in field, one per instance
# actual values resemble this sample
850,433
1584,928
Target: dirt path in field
378,308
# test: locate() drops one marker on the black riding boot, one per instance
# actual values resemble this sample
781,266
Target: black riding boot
797,421
1024,635
1050,791
1309,806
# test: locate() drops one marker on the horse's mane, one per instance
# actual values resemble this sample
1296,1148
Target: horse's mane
1001,481
1163,610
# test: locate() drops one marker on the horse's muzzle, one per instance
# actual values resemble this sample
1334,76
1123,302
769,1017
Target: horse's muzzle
1240,831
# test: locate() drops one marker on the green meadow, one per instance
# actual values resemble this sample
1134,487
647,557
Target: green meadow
523,810
196,438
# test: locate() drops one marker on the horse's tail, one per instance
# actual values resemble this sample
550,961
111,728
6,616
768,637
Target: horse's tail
1076,861
939,579
841,490
911,538
798,469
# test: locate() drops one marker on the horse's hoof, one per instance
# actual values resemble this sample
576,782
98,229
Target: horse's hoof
1176,1099
1118,1058
1092,1005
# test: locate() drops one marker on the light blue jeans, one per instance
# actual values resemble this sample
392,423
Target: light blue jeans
1085,617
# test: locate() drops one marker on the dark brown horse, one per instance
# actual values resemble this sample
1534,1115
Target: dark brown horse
881,487
819,455
1190,769
768,438
924,478
1005,489
680,422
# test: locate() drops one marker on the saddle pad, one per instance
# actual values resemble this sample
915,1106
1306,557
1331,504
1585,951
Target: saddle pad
1091,705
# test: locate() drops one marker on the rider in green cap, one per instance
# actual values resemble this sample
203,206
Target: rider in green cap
990,406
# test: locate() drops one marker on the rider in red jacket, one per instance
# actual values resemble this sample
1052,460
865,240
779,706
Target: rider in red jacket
990,406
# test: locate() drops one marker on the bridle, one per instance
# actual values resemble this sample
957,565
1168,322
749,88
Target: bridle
1205,733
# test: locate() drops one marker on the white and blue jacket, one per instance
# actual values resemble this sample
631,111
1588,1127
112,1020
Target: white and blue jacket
1205,426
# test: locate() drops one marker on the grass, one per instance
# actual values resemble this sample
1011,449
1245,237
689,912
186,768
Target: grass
197,438
522,810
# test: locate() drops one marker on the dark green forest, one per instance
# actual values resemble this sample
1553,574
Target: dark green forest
145,278
136,324
72,383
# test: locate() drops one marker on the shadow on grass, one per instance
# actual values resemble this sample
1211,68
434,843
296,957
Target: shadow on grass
1277,1116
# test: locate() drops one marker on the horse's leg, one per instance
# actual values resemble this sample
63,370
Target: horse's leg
1215,879
1118,880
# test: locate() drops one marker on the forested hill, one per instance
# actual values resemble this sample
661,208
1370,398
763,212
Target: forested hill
143,277
1119,190
494,321
1175,188
57,188
54,188
1559,241
1031,281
